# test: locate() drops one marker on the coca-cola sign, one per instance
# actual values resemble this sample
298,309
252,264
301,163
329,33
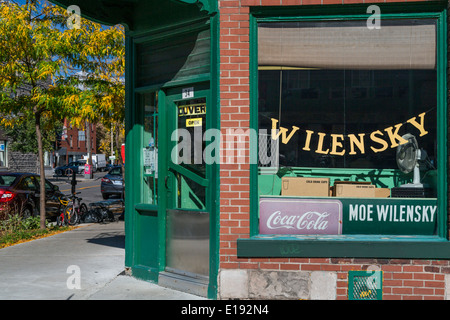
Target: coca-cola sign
300,216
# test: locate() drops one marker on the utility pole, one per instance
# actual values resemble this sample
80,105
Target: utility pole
112,145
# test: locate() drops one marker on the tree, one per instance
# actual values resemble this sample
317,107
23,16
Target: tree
28,58
39,52
98,55
23,135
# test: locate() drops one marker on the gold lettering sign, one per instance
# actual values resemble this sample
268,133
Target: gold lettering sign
378,140
192,109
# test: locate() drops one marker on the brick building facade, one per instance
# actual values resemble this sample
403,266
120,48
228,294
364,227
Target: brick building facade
73,143
402,278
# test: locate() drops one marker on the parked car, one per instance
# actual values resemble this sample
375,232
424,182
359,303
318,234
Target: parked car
109,166
76,166
19,193
112,183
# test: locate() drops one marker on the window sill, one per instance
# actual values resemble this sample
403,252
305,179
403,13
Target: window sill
344,246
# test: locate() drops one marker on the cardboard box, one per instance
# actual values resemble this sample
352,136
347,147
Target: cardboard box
360,192
305,187
382,192
354,190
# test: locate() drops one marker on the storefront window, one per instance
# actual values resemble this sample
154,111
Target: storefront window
347,118
188,153
191,126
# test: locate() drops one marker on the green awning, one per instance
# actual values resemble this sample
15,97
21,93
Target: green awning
138,14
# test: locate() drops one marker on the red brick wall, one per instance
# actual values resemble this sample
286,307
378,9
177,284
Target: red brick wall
234,109
403,279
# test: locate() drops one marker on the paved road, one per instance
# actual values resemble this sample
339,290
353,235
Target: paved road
90,189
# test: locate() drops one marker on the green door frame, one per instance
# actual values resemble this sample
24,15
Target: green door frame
138,213
168,187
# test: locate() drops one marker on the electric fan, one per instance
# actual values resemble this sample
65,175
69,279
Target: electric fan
408,157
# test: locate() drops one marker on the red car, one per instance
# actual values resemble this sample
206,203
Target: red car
19,193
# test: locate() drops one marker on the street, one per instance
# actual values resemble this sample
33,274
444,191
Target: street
90,189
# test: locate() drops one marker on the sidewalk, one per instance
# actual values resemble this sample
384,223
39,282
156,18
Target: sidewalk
47,268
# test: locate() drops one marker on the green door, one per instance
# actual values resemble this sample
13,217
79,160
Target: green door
188,192
142,200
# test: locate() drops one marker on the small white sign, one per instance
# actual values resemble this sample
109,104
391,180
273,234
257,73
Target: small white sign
149,159
187,93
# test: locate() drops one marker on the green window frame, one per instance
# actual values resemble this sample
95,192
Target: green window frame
364,246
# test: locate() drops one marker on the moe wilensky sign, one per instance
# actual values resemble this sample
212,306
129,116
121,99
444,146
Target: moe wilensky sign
331,216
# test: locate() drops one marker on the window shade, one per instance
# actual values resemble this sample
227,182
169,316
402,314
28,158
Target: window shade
348,45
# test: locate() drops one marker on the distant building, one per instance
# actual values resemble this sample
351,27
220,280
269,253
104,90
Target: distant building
72,145
15,161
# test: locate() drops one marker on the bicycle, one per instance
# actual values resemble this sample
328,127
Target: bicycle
98,213
78,209
72,210
61,218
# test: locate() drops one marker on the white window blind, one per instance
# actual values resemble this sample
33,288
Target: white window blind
348,45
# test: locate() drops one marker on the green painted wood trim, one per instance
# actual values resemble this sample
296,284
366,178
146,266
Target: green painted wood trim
147,209
189,174
188,210
210,6
442,118
422,248
130,13
254,196
162,168
337,11
129,120
145,273
214,169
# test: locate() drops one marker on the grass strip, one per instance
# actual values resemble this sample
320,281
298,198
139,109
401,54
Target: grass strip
19,236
